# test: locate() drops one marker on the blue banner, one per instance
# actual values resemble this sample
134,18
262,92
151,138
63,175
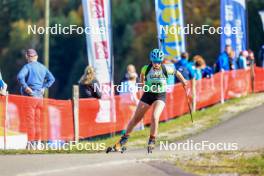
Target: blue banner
233,20
169,17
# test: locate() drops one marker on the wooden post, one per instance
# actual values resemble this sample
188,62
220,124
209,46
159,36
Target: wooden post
5,119
252,76
194,95
76,112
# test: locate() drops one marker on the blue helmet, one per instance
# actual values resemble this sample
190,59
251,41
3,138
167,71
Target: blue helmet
156,55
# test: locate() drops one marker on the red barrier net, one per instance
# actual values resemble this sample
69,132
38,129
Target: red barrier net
50,119
259,79
2,114
208,91
237,83
44,119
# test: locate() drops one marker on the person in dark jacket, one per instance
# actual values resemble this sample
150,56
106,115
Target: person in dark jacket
185,67
89,85
260,60
250,58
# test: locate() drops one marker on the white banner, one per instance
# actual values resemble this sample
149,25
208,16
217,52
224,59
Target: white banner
261,13
97,18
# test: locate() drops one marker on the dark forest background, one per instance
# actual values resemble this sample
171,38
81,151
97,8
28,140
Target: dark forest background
134,35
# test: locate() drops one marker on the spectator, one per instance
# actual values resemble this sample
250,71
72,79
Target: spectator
222,63
205,71
242,60
130,86
34,78
89,85
260,60
130,69
199,64
185,67
232,61
250,58
3,85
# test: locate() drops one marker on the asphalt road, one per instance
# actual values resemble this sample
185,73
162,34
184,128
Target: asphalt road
247,130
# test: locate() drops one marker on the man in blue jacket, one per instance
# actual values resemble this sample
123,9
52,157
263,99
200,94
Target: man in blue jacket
222,63
34,78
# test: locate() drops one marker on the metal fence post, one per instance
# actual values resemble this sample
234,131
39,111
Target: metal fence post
76,112
222,87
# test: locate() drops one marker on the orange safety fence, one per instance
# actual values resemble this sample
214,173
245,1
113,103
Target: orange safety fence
208,91
45,119
237,83
176,105
92,123
2,114
105,116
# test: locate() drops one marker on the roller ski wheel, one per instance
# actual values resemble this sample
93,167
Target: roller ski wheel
116,149
150,149
123,149
151,146
119,146
109,149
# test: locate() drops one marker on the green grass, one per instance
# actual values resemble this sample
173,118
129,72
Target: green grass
239,162
172,130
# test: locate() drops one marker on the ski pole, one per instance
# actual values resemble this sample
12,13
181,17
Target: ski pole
188,102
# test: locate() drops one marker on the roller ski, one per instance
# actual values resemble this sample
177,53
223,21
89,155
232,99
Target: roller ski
119,146
151,145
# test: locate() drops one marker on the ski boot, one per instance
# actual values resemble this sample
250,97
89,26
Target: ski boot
151,145
119,146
